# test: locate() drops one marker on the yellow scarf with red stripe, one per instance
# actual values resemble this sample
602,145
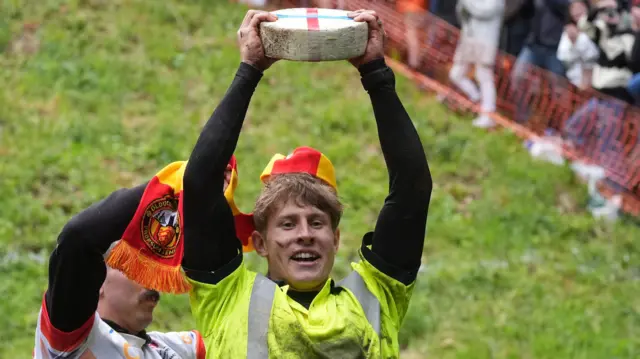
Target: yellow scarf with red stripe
151,249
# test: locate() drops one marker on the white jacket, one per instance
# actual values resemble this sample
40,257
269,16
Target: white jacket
609,72
583,54
481,19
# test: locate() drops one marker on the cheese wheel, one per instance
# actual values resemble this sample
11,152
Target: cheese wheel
312,34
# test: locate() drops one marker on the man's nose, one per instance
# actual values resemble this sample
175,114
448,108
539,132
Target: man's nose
304,232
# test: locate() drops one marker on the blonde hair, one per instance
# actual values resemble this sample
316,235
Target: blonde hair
303,189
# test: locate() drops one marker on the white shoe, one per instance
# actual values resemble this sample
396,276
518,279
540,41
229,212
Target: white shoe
586,171
545,150
483,121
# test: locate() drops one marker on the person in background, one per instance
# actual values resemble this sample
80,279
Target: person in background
540,50
413,11
516,25
478,45
542,43
442,29
589,129
578,53
606,27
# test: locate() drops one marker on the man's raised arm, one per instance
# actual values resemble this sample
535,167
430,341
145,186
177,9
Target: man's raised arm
76,266
210,237
398,238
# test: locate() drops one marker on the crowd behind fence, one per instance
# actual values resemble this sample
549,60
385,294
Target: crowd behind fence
594,128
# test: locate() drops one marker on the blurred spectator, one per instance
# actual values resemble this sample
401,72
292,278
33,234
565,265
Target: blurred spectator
576,51
413,11
605,26
541,47
517,24
478,45
589,129
542,43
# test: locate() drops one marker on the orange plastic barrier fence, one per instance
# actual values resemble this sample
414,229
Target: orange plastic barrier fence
595,128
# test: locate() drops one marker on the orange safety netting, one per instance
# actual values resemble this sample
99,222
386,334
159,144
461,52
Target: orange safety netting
596,129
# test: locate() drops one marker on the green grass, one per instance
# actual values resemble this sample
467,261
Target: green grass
114,90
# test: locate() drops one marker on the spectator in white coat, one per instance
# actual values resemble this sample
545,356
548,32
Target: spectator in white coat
576,50
480,22
608,25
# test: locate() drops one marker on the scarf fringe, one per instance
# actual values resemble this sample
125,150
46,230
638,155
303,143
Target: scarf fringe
145,271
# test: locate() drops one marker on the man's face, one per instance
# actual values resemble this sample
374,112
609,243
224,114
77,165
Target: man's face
126,302
300,246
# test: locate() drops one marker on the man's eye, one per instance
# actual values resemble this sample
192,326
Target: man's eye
286,225
317,224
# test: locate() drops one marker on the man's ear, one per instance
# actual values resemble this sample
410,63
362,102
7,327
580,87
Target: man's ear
336,239
259,243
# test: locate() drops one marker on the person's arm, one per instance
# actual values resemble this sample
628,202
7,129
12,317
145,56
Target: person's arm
589,52
587,77
589,25
209,231
566,51
76,266
461,13
398,238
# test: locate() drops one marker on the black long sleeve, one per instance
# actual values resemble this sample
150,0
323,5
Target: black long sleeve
210,238
76,266
398,238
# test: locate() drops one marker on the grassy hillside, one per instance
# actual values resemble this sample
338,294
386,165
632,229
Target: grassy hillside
100,94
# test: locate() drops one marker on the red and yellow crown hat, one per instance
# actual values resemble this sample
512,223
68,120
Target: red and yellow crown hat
302,160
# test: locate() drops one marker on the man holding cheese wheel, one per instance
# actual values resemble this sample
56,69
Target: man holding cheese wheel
297,310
